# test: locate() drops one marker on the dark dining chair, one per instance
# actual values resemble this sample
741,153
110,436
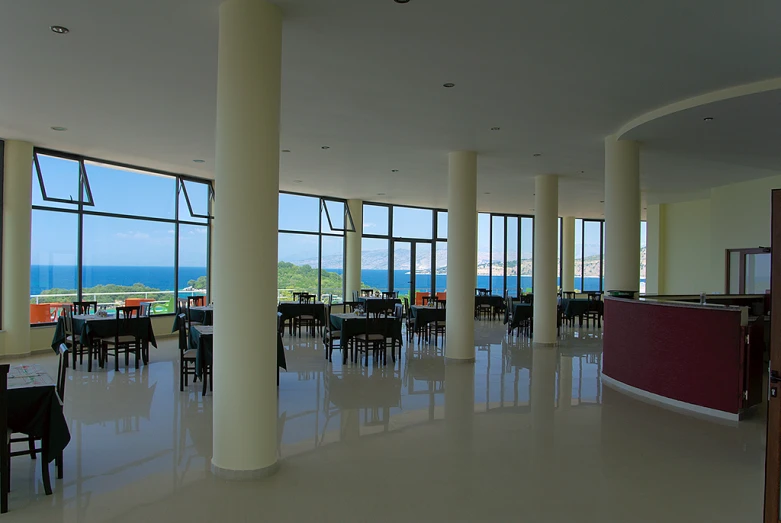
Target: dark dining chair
85,307
331,336
187,357
196,301
374,338
122,342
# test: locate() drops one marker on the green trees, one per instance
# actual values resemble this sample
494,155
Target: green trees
200,283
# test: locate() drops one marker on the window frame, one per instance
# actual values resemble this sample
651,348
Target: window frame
83,183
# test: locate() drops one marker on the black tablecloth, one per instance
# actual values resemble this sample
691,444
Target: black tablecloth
521,312
425,315
496,302
93,327
36,411
379,304
574,307
293,309
351,325
203,315
203,344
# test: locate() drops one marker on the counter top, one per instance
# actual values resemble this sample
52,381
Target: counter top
744,311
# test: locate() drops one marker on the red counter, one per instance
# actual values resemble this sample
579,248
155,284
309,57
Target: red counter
685,355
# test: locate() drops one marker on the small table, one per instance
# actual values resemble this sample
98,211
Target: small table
294,309
572,307
351,325
521,312
423,315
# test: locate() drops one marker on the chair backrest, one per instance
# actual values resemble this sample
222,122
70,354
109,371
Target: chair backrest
328,318
125,316
85,307
355,295
399,311
196,301
367,293
387,295
181,305
182,332
568,295
145,308
307,298
67,320
62,370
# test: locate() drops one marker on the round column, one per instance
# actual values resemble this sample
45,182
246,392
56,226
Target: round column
546,209
245,232
352,266
17,222
568,253
461,268
622,215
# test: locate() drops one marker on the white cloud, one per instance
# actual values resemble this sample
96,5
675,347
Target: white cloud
133,235
369,225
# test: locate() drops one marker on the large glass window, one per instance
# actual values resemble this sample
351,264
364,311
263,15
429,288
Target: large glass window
409,222
527,254
375,263
589,255
642,255
113,234
498,240
375,220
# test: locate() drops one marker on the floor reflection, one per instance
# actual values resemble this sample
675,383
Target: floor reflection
525,433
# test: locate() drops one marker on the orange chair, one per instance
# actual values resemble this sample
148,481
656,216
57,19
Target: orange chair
442,296
136,302
40,313
419,297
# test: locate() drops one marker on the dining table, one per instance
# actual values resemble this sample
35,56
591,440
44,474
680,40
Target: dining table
495,301
520,313
351,324
35,409
574,307
423,315
91,327
290,310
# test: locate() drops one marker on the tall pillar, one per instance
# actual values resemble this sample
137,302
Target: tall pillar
17,223
568,253
654,252
352,265
622,215
245,267
461,241
546,209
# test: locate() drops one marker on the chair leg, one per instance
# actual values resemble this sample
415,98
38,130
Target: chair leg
47,482
58,461
31,446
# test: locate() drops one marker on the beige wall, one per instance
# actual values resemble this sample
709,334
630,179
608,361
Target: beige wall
693,235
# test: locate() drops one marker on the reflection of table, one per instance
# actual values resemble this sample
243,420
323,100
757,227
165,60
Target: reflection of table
91,327
425,315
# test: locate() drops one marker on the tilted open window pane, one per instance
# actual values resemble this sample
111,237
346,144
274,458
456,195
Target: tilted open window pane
122,190
194,201
57,180
338,217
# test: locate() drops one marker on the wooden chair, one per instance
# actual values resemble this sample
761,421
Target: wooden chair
594,308
307,321
387,295
374,339
398,314
145,309
568,295
196,301
122,343
331,336
409,320
187,357
32,450
438,328
85,307
350,306
71,340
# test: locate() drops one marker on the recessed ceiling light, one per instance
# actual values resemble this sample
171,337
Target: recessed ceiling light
297,181
57,128
707,119
448,85
325,147
496,128
536,155
285,150
380,194
401,1
582,172
199,161
601,201
60,30
394,170
486,193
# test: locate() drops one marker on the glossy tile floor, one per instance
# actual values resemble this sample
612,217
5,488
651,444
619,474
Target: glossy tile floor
527,435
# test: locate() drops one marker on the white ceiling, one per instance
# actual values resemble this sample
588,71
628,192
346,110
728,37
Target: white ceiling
135,82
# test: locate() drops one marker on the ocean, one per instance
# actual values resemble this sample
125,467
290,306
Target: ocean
66,276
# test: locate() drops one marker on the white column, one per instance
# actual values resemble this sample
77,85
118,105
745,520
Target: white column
546,209
245,267
568,253
17,222
654,254
461,241
622,215
352,265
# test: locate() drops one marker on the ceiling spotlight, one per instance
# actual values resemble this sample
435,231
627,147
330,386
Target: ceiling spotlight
380,194
394,170
582,172
57,128
199,161
601,201
486,193
496,128
707,119
285,150
401,1
297,181
448,85
60,30
325,147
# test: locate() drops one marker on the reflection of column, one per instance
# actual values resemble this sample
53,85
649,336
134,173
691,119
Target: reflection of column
622,215
247,171
352,265
546,209
565,382
17,221
459,405
568,253
349,425
462,228
543,402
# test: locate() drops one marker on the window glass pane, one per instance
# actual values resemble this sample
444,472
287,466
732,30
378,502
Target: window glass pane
299,213
527,253
124,191
558,253
198,193
375,219
442,225
411,223
441,269
592,255
497,255
642,255
297,267
60,179
734,272
402,266
757,273
512,255
374,264
422,268
603,255
126,258
193,254
579,254
483,250
333,268
336,211
53,262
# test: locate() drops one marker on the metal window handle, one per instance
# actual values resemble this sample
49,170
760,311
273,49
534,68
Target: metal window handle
774,377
